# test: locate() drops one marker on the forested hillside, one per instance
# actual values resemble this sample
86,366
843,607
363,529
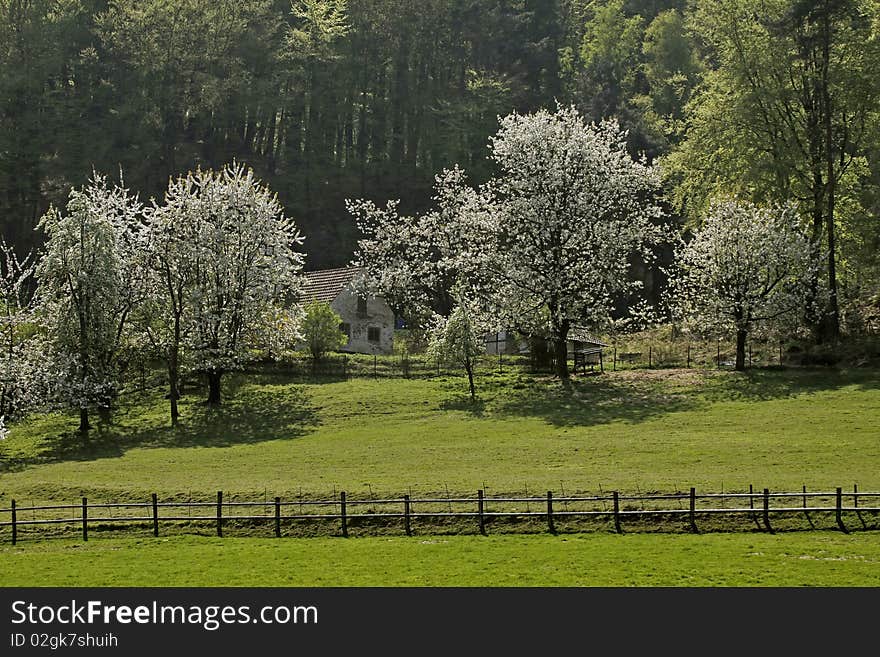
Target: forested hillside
336,99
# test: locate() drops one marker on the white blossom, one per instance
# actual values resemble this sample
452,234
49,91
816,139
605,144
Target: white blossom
459,339
226,259
545,244
745,267
19,369
88,284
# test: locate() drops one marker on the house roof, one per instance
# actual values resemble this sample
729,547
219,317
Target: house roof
580,334
326,284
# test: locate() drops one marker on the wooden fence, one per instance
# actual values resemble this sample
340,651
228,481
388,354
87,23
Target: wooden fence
402,512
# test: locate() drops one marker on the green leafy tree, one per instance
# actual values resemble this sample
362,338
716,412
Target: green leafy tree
672,71
320,329
611,54
785,114
180,68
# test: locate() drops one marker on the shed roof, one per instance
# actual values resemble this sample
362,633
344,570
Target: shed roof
580,334
326,284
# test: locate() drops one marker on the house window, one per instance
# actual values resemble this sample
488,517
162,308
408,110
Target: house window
345,327
373,334
362,307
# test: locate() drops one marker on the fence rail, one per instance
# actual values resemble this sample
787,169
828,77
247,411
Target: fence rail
754,505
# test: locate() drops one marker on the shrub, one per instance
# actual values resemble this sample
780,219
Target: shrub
320,329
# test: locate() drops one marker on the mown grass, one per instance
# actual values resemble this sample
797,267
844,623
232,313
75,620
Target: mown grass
803,559
633,431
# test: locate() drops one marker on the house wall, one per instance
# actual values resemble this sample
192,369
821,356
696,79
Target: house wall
378,315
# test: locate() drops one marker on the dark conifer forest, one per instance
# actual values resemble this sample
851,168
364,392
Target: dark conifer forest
336,99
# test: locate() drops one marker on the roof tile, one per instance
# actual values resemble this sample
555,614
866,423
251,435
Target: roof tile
326,284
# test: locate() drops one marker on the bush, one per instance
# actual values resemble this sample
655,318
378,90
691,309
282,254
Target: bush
320,329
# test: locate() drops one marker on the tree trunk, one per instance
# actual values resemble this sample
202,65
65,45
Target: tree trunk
84,425
741,350
832,324
560,348
815,311
174,371
214,387
469,368
271,138
173,389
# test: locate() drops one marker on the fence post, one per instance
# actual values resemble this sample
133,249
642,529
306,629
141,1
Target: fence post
689,355
14,519
809,519
155,500
550,527
650,356
718,357
693,517
375,363
767,510
856,505
406,523
616,512
220,513
343,514
277,517
838,511
614,361
480,512
85,519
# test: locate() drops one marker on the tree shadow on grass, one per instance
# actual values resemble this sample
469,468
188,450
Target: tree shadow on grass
593,401
640,396
765,384
254,414
476,407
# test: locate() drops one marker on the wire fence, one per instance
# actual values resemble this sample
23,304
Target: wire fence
633,352
413,366
630,352
690,511
626,353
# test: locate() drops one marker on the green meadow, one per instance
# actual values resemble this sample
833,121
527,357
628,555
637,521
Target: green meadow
639,430
646,430
799,559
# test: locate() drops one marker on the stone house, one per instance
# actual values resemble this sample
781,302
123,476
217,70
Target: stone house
368,323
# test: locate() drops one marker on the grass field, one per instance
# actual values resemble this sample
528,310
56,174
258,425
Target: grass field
640,430
801,559
645,430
